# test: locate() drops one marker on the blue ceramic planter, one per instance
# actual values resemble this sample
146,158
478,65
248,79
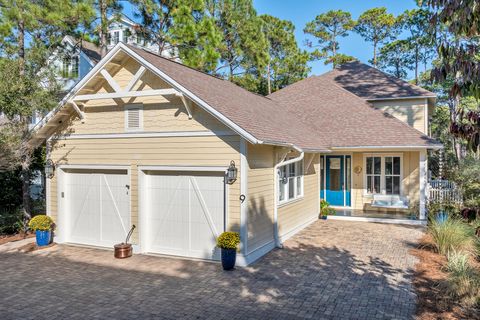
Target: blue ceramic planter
228,258
43,237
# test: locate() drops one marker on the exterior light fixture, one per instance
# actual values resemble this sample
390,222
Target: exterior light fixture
231,173
49,169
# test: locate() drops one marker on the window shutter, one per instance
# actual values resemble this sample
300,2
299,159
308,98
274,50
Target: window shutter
133,118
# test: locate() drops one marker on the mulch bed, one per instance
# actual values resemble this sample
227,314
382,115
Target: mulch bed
433,302
15,237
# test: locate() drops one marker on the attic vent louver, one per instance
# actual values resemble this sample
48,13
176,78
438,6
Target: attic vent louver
133,117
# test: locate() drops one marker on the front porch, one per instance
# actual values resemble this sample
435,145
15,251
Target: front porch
378,185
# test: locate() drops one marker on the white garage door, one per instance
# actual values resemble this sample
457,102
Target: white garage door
185,214
98,207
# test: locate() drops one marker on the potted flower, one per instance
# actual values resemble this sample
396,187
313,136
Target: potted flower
228,243
326,210
42,225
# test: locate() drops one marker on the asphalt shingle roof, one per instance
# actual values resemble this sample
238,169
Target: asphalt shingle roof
339,118
370,83
314,114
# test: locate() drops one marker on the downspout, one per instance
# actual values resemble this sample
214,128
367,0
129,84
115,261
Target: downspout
278,244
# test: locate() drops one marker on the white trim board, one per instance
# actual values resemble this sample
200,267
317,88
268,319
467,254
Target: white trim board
183,168
287,235
147,135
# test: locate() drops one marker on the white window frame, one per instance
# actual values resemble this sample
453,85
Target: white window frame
114,38
285,186
382,172
140,115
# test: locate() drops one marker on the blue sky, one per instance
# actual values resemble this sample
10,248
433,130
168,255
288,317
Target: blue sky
302,11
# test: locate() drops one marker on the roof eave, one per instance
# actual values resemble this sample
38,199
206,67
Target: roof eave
386,147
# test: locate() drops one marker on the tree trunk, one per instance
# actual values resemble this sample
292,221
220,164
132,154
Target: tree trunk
416,64
269,85
375,54
103,27
21,46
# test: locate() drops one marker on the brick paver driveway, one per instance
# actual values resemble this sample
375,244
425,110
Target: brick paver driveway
331,270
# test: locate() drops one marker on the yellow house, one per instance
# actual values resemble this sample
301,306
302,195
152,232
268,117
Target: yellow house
184,156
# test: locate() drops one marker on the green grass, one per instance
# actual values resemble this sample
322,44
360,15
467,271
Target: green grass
452,235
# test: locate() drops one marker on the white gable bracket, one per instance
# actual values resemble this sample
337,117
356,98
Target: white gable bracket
110,80
186,103
77,109
135,79
131,94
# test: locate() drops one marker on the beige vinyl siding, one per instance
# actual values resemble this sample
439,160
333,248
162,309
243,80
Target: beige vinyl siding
410,111
260,192
160,115
410,182
297,213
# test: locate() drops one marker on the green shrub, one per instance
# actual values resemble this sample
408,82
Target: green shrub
325,209
10,220
450,208
463,280
467,176
452,235
41,222
228,240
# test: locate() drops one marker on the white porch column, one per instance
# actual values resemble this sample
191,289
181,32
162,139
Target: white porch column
423,184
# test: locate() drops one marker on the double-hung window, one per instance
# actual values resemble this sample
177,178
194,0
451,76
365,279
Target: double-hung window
290,182
383,174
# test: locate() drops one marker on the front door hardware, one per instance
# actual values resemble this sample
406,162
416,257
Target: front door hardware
242,198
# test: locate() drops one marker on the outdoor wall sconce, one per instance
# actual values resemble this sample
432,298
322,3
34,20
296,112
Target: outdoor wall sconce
49,169
231,173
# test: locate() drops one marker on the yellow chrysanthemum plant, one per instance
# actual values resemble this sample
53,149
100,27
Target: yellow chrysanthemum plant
228,240
41,223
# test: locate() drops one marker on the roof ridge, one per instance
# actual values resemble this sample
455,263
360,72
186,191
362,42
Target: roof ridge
392,78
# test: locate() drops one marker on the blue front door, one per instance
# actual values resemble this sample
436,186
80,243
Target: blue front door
337,180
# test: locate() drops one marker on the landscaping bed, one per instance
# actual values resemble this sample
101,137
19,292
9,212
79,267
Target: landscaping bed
15,237
438,295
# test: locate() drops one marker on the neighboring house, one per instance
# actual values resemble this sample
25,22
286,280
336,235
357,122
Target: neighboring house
147,141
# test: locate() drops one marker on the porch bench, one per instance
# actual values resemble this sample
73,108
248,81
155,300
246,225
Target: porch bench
389,201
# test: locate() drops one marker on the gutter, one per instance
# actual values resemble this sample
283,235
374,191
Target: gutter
276,236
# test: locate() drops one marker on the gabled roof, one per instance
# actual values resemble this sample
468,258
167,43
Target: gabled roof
313,115
372,84
340,119
90,49
256,114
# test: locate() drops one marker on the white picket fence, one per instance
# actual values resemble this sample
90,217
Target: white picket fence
444,191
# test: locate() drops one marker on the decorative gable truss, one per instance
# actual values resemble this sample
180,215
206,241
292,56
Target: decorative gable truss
75,101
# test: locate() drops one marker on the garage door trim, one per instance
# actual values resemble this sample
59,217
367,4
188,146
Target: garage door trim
61,202
143,201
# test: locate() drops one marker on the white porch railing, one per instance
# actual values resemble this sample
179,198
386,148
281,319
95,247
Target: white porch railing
443,191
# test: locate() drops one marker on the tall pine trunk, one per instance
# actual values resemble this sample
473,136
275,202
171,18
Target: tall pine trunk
103,27
25,163
269,84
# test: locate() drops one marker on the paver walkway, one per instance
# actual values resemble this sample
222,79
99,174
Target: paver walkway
331,270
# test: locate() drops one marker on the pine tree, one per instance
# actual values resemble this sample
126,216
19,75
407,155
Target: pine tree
326,28
243,46
376,25
29,32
